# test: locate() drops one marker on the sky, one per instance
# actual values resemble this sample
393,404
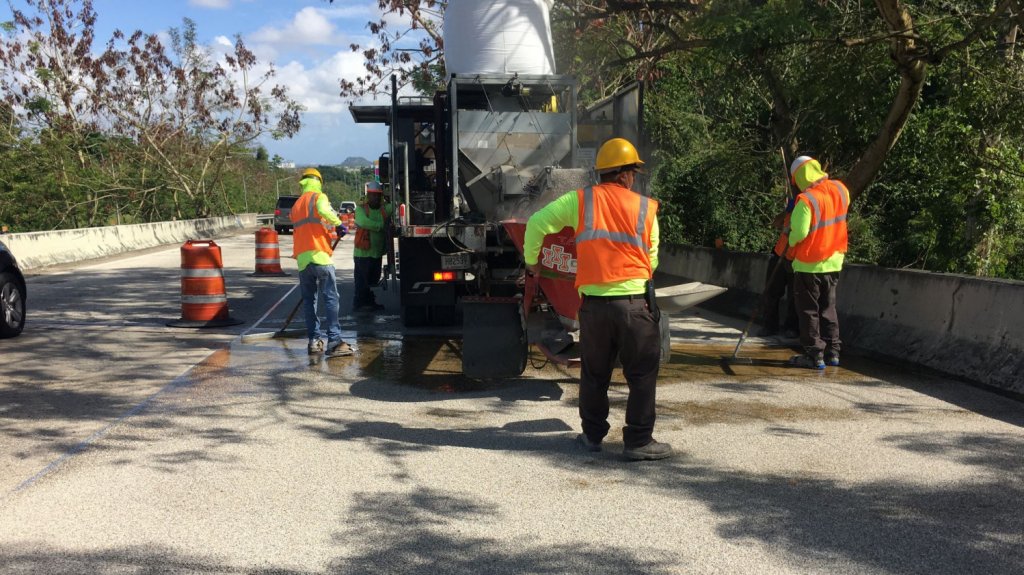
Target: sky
306,40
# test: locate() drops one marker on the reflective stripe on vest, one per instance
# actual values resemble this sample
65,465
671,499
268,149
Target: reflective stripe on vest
309,231
637,239
611,246
825,236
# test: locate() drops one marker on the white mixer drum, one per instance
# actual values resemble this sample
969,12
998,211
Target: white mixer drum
500,36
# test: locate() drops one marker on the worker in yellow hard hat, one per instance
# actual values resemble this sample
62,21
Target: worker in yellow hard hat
617,252
314,220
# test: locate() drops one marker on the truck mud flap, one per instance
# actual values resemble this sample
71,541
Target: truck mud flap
493,338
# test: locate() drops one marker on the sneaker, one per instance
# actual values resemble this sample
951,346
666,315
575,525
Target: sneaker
832,358
339,349
804,360
587,444
315,347
651,451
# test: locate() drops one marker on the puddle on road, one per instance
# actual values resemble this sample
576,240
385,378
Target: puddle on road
435,364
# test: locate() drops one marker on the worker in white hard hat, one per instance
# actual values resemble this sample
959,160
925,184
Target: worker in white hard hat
617,252
817,246
373,217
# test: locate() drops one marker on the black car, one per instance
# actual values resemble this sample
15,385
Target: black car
283,214
12,295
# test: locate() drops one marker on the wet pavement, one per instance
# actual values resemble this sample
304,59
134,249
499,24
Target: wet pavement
131,447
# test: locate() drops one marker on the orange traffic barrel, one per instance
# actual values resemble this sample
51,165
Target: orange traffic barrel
268,254
204,302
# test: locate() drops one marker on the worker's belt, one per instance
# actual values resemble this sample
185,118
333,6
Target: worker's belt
630,297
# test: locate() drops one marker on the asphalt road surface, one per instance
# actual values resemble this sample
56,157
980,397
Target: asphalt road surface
127,446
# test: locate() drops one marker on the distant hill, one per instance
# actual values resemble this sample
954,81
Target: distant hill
356,162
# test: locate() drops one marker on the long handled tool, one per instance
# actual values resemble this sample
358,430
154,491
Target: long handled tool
284,328
735,358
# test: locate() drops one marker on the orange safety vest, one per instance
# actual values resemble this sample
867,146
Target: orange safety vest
363,241
782,244
310,232
613,236
829,202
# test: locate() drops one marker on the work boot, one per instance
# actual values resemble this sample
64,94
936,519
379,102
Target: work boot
651,451
804,360
315,347
338,349
584,442
832,358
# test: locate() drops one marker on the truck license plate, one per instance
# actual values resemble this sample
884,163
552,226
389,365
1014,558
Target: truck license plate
459,261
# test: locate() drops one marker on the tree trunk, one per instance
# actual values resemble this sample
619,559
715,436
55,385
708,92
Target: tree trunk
912,75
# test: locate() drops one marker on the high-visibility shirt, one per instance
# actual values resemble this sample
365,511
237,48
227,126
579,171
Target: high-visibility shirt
373,221
568,211
818,234
311,215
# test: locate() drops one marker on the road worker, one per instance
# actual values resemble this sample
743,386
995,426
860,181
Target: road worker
817,244
617,251
313,221
373,217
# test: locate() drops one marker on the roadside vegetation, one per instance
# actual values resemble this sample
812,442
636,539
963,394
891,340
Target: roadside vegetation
917,105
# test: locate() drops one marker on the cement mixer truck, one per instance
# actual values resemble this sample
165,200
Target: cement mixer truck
467,166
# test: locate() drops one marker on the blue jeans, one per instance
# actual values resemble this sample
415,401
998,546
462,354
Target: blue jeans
320,279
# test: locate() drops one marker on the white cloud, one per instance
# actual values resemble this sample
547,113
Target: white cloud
310,26
215,4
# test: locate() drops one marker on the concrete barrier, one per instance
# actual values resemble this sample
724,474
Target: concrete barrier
961,325
40,249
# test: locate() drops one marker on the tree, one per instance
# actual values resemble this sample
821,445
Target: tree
136,128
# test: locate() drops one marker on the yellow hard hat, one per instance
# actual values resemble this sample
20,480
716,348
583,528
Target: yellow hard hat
616,153
312,172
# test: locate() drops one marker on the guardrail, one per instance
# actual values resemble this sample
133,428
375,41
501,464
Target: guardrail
40,249
265,219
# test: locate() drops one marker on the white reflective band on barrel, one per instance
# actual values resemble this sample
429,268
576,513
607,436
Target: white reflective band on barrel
266,246
202,272
267,260
589,233
204,298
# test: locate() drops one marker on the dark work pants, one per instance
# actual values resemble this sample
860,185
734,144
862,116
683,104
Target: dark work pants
365,275
623,329
816,310
775,287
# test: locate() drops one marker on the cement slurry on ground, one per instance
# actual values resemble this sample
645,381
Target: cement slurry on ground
253,458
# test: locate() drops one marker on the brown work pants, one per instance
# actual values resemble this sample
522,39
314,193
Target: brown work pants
620,328
816,310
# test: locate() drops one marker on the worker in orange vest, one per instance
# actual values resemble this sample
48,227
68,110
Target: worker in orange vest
315,224
617,252
372,220
817,244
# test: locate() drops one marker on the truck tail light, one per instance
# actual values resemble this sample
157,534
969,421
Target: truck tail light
445,276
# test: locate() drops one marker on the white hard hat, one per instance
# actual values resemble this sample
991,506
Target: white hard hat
799,161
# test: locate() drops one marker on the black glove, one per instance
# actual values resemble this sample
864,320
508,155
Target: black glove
341,230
